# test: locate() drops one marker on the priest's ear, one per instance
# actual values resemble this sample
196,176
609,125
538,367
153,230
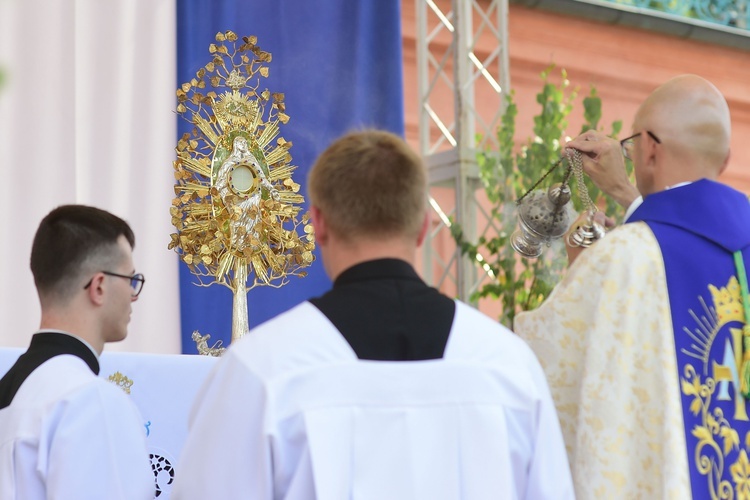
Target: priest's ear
319,223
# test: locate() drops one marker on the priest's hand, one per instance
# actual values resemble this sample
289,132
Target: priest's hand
604,163
574,251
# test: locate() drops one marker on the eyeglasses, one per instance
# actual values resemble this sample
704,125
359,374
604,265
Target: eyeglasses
627,143
136,281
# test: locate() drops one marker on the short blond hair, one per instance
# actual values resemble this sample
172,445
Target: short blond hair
370,183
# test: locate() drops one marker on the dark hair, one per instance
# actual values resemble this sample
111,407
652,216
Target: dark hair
67,239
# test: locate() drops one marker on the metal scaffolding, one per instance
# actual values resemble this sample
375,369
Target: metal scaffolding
462,57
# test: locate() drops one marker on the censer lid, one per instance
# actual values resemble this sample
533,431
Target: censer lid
547,213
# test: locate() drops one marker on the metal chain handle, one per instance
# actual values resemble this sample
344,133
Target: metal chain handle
586,234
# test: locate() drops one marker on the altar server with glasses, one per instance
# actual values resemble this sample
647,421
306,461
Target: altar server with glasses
382,388
64,432
645,341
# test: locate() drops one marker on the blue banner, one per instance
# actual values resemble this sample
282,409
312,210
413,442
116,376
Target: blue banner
339,64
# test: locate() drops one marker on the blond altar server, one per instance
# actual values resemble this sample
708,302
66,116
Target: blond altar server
644,341
382,388
64,432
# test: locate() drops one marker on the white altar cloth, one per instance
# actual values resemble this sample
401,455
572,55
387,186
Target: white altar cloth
163,388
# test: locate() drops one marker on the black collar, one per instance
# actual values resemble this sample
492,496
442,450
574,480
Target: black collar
53,344
44,346
377,270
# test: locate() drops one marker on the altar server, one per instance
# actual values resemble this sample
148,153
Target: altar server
382,388
64,432
643,341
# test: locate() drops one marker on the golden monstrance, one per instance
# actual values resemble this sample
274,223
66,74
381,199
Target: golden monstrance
236,206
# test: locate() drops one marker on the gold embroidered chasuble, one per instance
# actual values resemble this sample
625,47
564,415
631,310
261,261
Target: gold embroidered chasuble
606,342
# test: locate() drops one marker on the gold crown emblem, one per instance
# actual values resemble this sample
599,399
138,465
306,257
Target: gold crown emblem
236,206
728,302
121,381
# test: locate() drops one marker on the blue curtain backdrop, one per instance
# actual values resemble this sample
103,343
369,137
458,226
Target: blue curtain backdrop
339,63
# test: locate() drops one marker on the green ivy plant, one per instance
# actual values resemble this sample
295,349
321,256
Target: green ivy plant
522,284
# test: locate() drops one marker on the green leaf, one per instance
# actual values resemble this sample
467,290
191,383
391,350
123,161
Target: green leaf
509,172
592,110
616,128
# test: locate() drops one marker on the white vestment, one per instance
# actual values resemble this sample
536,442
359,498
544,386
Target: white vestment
605,339
290,412
70,435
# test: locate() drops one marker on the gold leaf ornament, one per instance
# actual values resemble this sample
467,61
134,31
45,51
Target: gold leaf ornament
695,406
688,388
702,433
731,439
236,207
